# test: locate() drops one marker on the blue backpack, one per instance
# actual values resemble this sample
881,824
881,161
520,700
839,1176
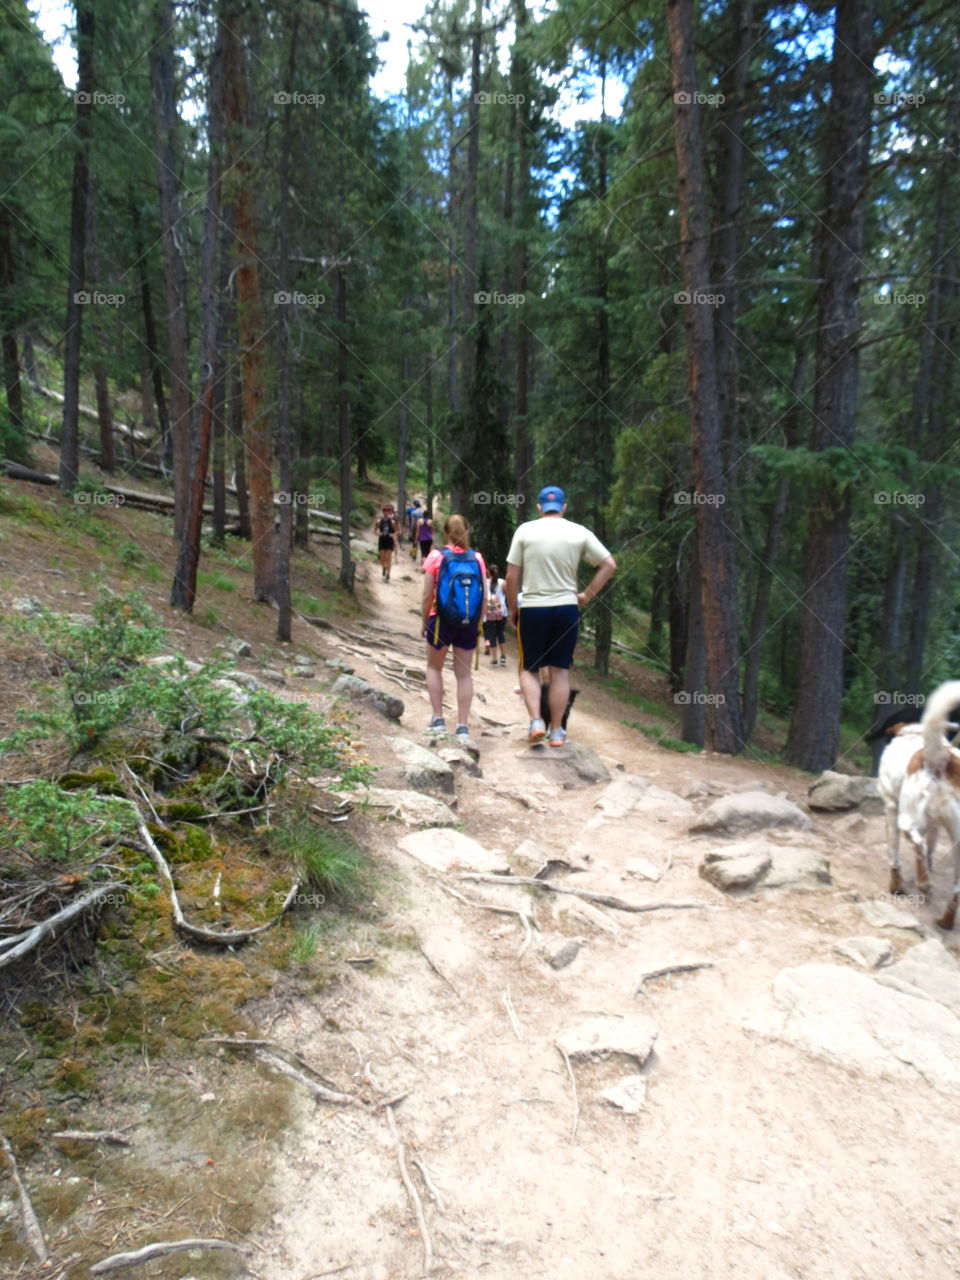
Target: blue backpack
460,588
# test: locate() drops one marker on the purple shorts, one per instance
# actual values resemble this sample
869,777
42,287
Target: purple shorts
459,637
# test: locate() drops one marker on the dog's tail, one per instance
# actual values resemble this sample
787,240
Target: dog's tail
936,717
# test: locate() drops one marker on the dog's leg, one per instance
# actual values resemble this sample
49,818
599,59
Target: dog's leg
893,848
946,921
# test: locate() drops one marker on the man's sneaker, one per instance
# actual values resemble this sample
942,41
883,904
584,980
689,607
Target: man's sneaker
503,661
437,725
538,731
463,731
558,737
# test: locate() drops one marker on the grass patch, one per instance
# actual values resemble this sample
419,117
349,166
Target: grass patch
328,861
662,739
305,944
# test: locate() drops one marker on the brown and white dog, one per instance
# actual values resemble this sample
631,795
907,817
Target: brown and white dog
903,743
930,793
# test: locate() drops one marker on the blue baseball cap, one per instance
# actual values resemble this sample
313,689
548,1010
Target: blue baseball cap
551,498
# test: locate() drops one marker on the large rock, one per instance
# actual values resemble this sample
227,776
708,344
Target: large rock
836,791
444,849
28,607
927,970
880,914
459,758
796,869
424,770
238,648
750,811
353,687
411,807
633,794
576,764
598,1039
246,681
870,953
762,864
852,1020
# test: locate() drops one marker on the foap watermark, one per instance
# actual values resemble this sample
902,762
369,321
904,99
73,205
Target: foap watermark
894,298
97,99
886,498
296,498
99,698
902,899
93,498
685,99
695,698
294,98
683,298
894,698
899,99
301,899
499,99
687,499
293,298
485,299
94,298
488,498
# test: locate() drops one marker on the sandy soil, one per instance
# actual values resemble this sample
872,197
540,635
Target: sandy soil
748,1159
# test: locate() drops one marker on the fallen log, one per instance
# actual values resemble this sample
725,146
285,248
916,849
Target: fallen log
21,944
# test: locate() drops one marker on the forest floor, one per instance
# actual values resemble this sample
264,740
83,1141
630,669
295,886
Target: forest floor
750,1154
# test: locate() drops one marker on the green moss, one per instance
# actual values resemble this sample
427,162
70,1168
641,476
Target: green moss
103,780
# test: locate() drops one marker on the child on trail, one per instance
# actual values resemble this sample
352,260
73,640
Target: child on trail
425,536
385,527
453,585
495,625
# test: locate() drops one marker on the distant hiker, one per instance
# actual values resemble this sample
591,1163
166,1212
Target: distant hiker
425,536
495,623
385,528
413,516
454,602
543,559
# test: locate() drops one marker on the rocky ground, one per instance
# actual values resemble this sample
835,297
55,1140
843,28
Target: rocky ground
756,1078
703,1042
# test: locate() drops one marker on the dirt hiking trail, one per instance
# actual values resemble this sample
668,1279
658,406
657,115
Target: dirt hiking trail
763,1137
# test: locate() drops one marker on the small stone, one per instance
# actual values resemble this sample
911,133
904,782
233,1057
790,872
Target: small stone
338,664
870,953
410,807
28,607
459,758
354,687
274,675
641,869
566,954
734,873
628,1095
239,648
598,1039
246,680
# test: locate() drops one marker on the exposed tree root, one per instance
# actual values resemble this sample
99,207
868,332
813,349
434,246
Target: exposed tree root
117,1261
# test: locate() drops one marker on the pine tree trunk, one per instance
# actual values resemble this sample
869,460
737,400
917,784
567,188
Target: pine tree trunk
714,546
151,343
250,318
284,455
175,269
11,358
70,433
814,737
30,361
693,709
225,335
428,418
523,446
235,433
184,590
452,374
347,567
108,460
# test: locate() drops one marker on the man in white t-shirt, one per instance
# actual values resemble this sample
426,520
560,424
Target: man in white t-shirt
543,560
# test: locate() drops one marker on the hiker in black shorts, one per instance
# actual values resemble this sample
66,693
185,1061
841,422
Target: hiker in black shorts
385,527
543,559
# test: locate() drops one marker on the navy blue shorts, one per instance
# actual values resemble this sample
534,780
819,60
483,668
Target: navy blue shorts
548,636
459,637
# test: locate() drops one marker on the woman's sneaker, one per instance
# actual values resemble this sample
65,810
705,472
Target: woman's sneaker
463,731
437,725
558,737
538,731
